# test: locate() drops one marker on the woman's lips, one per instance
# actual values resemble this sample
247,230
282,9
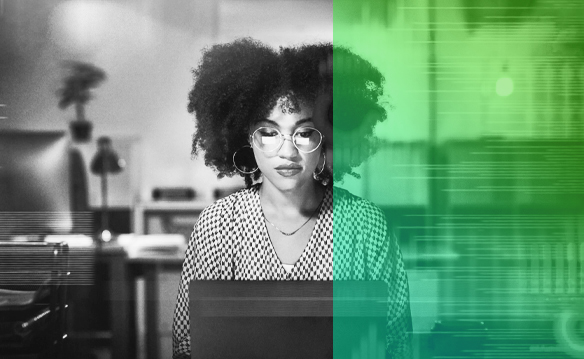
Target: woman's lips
289,171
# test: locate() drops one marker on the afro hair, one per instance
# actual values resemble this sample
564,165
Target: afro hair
239,83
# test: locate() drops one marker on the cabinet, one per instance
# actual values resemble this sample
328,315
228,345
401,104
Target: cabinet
167,217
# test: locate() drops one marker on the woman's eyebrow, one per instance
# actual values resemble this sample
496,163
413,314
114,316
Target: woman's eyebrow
304,120
269,121
275,124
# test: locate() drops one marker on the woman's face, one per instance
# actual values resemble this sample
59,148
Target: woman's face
285,166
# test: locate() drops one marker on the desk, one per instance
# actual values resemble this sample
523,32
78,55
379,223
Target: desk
123,272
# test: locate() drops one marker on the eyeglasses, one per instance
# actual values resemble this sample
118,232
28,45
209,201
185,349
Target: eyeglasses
269,139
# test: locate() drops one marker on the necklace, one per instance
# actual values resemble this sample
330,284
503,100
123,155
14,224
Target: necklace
303,224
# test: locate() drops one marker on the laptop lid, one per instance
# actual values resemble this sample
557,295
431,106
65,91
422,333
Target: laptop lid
287,319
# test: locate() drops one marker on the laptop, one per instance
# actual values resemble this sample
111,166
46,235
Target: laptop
288,319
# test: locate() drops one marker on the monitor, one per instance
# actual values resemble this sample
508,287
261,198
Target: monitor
34,183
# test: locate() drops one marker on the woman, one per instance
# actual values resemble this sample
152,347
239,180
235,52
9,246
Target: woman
257,113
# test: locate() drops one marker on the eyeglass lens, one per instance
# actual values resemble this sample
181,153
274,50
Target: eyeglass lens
305,139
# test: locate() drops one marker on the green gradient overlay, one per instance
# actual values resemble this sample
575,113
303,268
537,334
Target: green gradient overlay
480,171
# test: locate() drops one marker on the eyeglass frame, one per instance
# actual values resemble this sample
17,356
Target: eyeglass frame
284,138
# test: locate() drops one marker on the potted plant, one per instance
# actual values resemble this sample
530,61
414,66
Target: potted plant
77,85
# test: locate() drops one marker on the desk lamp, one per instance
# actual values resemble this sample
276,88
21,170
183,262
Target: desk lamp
105,161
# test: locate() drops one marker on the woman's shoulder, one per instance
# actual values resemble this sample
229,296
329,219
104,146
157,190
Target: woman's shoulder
352,212
346,203
224,207
360,220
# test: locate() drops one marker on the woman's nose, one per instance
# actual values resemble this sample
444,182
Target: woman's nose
288,149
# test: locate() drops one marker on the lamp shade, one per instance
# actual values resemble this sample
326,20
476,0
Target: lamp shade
106,160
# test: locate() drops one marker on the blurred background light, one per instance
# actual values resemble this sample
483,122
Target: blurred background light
80,24
504,86
106,235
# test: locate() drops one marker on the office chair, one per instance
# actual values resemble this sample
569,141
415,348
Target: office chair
33,279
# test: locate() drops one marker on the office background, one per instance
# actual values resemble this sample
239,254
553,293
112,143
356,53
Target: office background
480,169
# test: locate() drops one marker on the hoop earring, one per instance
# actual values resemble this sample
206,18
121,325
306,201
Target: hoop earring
243,168
316,175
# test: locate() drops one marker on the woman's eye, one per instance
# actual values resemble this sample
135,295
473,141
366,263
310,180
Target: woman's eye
305,133
268,133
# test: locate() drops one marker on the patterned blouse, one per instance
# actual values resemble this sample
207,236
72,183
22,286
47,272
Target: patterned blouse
230,242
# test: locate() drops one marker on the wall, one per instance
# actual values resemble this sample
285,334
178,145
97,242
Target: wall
148,49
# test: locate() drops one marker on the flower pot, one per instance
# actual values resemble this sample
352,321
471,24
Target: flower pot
81,130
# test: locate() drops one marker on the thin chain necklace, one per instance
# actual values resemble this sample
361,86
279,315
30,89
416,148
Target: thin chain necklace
292,233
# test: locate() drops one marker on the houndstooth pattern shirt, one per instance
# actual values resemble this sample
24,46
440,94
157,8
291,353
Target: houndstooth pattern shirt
230,242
